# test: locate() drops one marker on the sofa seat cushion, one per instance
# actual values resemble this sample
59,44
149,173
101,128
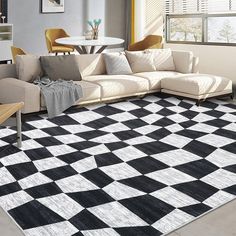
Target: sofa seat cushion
119,85
91,92
155,78
197,84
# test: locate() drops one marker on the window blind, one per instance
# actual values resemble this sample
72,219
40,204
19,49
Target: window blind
199,6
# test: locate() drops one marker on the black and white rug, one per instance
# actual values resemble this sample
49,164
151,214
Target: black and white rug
140,167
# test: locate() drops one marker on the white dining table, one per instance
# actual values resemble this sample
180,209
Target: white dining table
85,46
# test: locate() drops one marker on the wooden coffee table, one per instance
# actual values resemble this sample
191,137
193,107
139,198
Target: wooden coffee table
6,111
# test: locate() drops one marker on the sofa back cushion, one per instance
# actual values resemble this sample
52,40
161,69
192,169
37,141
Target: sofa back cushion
163,59
91,64
8,71
184,61
61,67
28,67
141,61
117,64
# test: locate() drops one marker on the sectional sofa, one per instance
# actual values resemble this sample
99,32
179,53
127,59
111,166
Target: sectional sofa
98,86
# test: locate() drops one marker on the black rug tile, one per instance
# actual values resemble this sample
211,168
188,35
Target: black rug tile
164,122
87,221
44,190
230,147
39,215
214,113
38,154
107,110
138,231
83,145
165,112
231,189
22,170
159,134
63,120
116,145
231,168
125,135
199,148
196,210
107,159
73,157
226,133
59,173
188,124
91,198
100,123
140,113
55,131
134,124
148,208
191,133
143,183
98,177
196,189
48,141
197,169
8,151
147,165
217,123
9,188
189,114
91,134
155,147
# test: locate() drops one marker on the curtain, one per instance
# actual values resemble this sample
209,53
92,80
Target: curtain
128,24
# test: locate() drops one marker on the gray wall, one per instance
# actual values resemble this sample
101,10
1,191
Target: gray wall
30,24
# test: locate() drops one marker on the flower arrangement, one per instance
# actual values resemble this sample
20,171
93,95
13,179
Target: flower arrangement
95,27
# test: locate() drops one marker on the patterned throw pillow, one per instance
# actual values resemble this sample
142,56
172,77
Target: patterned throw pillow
117,64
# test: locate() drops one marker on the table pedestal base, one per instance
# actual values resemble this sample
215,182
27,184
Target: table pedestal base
84,50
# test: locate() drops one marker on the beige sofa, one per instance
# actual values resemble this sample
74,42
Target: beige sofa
97,86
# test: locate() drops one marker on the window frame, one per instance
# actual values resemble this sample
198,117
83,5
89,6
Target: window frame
204,18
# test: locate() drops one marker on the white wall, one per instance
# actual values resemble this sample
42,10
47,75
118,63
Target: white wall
30,24
218,60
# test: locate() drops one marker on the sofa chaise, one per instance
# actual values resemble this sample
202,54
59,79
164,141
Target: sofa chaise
98,86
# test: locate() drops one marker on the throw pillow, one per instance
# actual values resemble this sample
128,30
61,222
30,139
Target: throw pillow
28,67
163,59
61,67
141,61
117,64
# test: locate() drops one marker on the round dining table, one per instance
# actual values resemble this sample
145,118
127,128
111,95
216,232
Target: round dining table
85,46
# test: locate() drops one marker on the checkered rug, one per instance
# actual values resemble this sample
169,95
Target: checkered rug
140,167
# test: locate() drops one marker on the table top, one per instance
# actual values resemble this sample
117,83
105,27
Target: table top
7,110
81,41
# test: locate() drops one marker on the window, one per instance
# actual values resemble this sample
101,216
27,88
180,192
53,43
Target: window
201,21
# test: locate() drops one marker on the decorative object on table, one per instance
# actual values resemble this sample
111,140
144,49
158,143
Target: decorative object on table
88,35
52,6
95,27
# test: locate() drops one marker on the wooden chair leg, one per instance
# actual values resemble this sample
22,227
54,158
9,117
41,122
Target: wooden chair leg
56,54
69,53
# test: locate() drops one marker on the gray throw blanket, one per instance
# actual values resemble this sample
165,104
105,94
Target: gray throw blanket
59,95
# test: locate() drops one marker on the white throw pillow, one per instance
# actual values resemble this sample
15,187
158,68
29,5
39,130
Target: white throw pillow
28,67
117,64
141,61
163,59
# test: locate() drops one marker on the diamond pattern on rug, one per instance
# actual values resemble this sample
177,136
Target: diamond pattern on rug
139,167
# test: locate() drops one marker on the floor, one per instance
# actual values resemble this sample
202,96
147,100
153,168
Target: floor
220,222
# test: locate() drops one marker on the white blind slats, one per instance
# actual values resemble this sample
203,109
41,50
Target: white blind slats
199,6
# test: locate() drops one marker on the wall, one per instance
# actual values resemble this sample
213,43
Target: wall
218,60
29,23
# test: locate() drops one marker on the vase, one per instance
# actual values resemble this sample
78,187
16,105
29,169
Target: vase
95,34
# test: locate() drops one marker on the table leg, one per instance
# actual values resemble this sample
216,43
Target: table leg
79,49
101,49
18,126
92,49
84,49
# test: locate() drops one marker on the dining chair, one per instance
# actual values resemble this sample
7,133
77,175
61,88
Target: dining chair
53,47
16,51
149,42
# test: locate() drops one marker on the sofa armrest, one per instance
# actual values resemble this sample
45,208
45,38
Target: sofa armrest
13,90
8,71
183,61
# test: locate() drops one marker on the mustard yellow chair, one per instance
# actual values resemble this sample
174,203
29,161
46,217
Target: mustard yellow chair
16,51
151,41
53,47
